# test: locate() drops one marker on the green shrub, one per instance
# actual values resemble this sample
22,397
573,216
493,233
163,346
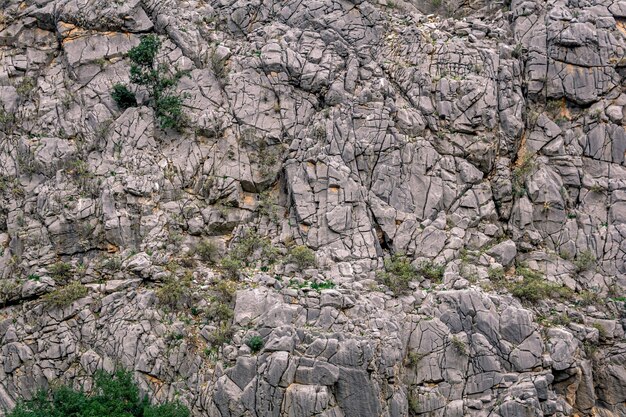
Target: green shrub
255,343
174,291
414,358
459,345
220,335
398,274
252,247
61,272
249,249
219,311
114,395
414,403
533,287
64,296
208,251
158,80
9,289
26,87
226,290
496,274
123,96
231,266
585,260
431,271
302,256
324,285
524,167
588,298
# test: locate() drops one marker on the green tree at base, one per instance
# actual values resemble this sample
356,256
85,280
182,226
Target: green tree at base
115,395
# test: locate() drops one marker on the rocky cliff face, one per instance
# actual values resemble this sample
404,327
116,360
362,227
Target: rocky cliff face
480,136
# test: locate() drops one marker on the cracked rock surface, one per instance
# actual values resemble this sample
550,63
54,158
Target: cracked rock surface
486,138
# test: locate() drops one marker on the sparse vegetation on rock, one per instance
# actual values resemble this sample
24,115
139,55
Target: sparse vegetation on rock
158,79
114,394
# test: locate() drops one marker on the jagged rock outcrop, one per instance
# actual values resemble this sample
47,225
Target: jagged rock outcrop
483,137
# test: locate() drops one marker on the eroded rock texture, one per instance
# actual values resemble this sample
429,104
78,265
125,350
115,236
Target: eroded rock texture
485,137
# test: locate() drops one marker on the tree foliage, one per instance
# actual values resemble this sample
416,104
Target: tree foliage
115,395
158,79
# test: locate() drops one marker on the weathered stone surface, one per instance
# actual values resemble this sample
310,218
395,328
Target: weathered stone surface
483,141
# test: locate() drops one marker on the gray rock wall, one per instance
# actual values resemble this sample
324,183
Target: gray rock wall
482,136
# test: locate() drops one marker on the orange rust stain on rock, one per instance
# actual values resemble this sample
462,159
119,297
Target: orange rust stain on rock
248,200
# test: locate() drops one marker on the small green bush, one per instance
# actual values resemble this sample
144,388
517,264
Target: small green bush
114,395
459,345
226,290
398,273
524,167
324,285
533,287
231,266
61,272
9,289
588,298
415,407
414,358
585,260
496,274
431,271
255,343
208,251
64,296
123,96
303,257
219,311
251,247
174,291
220,335
26,87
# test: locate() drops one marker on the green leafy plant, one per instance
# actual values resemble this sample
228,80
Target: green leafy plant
219,311
114,395
220,335
255,343
431,271
158,79
123,96
252,247
324,285
64,296
459,345
26,87
398,273
585,260
174,291
525,165
533,287
9,289
302,256
414,358
249,249
231,266
208,251
61,272
496,274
